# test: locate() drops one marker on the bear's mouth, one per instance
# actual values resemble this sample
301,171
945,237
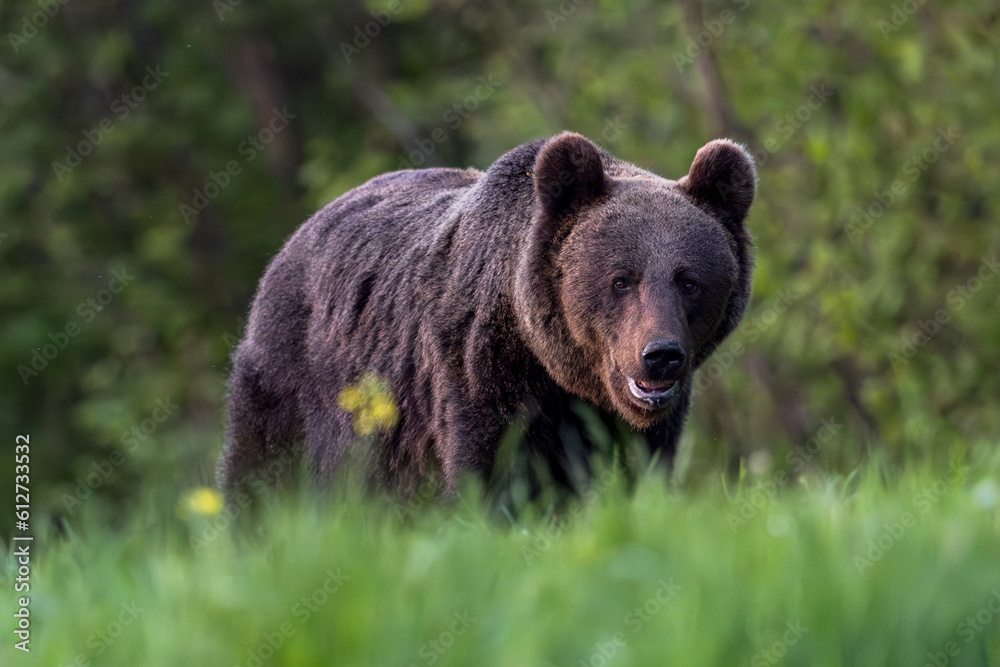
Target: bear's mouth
654,394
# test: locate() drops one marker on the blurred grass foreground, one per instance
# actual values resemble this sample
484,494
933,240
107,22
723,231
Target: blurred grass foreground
866,570
835,501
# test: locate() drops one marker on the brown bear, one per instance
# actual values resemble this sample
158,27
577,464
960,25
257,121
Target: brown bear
481,300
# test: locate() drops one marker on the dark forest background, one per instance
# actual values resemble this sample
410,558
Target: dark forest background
155,155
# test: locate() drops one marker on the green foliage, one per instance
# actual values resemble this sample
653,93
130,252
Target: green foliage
827,571
836,109
873,328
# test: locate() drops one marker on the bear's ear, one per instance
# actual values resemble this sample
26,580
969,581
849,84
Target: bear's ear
722,180
568,174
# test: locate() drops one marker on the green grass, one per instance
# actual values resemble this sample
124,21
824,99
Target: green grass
764,573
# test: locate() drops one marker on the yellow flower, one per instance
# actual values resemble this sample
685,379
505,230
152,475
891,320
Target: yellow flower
371,402
364,424
202,501
383,410
352,398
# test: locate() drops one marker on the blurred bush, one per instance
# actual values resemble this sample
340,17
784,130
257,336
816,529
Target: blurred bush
155,155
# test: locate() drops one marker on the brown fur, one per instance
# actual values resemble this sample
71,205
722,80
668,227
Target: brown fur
489,298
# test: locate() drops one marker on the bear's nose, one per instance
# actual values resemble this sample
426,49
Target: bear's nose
663,356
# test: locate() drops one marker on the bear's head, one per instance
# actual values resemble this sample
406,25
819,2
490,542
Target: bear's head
628,281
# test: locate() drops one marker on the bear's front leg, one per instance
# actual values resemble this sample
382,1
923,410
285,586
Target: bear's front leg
468,440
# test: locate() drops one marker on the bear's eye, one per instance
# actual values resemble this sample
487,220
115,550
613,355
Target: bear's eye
621,284
689,286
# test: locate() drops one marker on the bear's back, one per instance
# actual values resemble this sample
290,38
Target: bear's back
386,210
